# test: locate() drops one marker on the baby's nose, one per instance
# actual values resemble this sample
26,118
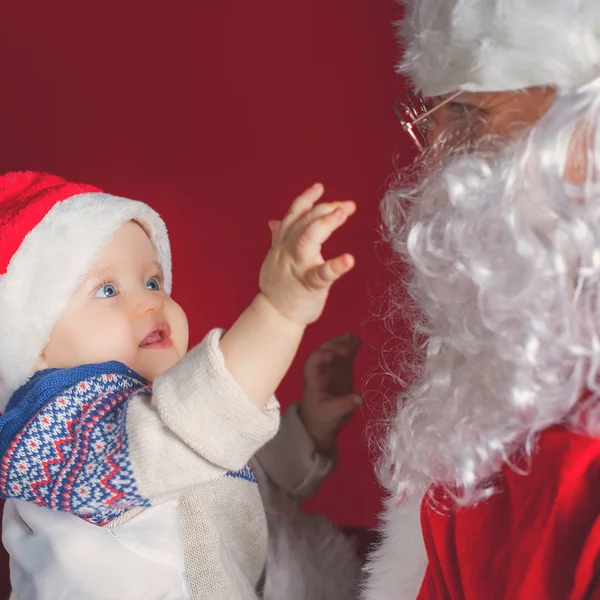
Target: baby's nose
150,301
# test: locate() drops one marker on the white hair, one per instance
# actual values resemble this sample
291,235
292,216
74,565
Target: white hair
503,251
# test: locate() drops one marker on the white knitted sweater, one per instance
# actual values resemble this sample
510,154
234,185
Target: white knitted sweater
205,534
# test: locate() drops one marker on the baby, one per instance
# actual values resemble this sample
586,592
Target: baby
125,458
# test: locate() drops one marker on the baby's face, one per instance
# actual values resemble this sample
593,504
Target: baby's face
121,312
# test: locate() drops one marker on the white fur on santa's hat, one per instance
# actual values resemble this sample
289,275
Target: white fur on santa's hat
498,45
49,265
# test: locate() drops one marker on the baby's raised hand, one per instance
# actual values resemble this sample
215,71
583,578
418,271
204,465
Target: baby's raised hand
295,278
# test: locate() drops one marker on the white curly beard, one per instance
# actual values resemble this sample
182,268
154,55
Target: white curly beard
505,272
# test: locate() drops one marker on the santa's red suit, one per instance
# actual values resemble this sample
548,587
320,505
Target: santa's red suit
538,537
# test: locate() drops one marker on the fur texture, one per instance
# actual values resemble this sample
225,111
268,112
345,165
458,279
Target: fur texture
396,568
49,265
494,45
310,559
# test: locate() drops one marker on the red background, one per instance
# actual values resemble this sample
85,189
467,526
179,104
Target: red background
217,114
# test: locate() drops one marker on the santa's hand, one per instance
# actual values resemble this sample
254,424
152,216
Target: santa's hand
329,399
295,278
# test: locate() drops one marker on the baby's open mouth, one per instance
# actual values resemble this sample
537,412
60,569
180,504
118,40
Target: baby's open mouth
159,336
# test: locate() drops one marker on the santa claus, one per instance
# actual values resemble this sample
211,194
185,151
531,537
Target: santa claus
492,458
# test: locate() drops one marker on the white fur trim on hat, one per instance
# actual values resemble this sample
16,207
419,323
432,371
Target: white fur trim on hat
498,45
44,273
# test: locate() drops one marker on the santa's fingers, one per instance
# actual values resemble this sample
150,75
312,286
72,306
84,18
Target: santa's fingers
325,274
340,350
344,344
322,356
339,410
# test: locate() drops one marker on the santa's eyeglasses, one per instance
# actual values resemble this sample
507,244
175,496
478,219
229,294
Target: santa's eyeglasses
415,116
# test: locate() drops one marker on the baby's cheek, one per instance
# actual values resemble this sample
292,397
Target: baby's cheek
114,340
179,326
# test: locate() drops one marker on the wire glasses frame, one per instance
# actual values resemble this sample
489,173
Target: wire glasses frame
415,117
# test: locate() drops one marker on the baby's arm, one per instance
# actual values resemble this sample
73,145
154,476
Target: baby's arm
214,409
197,426
95,453
294,283
220,424
97,440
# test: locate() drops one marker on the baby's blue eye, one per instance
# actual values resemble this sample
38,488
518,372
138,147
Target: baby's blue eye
108,290
153,284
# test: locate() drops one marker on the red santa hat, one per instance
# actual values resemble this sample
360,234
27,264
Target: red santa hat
51,232
498,45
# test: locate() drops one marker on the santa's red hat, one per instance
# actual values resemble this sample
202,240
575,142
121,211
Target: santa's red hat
51,232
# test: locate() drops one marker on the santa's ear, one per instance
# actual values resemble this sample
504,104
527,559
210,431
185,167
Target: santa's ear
580,165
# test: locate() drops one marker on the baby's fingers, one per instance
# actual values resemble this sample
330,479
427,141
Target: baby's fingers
299,207
325,274
314,233
274,226
302,204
